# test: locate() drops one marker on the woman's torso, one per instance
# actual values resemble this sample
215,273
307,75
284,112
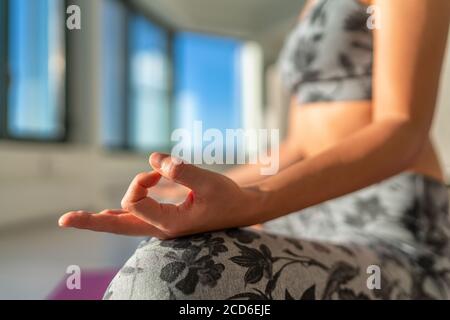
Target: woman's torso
331,95
319,126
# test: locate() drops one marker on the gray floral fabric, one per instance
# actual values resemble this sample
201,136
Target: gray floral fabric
328,56
400,225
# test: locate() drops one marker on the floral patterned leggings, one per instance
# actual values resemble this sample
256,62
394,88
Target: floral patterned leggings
396,230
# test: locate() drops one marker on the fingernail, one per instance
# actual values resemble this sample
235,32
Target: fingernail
177,161
61,221
166,164
156,160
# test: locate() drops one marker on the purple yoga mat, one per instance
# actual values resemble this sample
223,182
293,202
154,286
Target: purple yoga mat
93,286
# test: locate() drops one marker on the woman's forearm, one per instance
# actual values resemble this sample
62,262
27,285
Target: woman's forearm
251,173
368,156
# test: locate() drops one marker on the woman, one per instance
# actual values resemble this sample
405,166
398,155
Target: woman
359,178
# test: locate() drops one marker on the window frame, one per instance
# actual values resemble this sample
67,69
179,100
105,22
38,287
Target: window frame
5,85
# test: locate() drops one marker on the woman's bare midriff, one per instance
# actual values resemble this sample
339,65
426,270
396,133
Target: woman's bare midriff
318,126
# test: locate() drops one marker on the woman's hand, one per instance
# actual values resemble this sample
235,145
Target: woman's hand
214,202
168,191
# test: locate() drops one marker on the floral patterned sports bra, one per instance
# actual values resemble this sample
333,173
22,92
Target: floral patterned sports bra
328,56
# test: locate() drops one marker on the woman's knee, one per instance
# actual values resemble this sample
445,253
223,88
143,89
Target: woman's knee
236,263
183,268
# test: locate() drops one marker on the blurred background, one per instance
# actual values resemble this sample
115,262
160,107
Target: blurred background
80,110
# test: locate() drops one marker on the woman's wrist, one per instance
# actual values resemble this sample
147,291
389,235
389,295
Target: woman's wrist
258,205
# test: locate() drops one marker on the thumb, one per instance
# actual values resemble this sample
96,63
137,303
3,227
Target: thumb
181,172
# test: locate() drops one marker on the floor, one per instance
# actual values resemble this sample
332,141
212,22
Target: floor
34,258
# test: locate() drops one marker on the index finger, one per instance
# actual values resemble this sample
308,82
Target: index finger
111,221
138,187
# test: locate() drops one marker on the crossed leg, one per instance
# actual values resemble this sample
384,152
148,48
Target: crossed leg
248,264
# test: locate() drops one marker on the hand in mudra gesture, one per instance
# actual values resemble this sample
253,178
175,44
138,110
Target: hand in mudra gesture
168,191
211,202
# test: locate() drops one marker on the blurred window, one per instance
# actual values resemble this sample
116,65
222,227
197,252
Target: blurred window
137,109
135,80
3,73
149,123
114,74
207,81
36,61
